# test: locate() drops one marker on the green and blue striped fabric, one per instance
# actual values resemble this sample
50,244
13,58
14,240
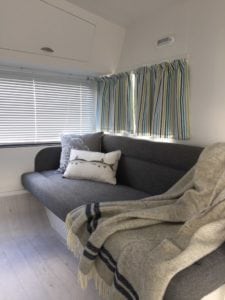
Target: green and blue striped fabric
162,100
155,104
115,104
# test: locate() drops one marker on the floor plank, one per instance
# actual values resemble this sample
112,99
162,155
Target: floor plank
10,286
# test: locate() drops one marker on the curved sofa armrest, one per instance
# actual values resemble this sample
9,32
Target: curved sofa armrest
47,159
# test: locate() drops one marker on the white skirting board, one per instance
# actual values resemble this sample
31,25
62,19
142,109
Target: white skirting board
60,227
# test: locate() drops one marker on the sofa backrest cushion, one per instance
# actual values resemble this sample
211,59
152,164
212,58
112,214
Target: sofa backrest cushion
151,167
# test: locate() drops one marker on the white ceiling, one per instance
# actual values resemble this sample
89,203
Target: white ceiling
123,12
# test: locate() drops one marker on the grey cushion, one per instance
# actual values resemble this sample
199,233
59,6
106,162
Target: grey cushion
199,279
151,167
147,176
90,142
61,195
69,143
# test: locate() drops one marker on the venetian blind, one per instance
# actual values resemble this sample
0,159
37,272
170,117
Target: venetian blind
36,109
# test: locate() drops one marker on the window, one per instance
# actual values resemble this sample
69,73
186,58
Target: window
38,108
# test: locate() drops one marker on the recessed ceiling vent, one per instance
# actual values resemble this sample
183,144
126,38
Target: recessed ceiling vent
47,50
168,40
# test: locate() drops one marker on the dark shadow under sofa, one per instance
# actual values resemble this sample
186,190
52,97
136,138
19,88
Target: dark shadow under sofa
146,168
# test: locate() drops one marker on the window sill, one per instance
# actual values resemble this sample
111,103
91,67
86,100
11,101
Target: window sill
23,145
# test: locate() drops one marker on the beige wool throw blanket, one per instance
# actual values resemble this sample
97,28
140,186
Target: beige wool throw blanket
132,249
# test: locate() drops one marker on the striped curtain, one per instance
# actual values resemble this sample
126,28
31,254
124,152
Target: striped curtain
144,92
115,104
162,100
155,104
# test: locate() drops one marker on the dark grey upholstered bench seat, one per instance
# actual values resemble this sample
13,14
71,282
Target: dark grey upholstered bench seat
145,168
61,195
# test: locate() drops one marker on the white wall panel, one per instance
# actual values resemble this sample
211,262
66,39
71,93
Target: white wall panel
70,36
13,163
83,42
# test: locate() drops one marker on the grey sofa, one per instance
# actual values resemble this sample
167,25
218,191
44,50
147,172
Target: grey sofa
146,168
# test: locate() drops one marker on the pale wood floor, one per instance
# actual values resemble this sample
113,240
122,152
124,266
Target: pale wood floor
34,261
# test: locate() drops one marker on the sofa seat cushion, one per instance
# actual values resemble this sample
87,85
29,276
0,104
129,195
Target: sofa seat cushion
61,195
200,279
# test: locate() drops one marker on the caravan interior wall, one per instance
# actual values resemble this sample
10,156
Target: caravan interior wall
199,30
